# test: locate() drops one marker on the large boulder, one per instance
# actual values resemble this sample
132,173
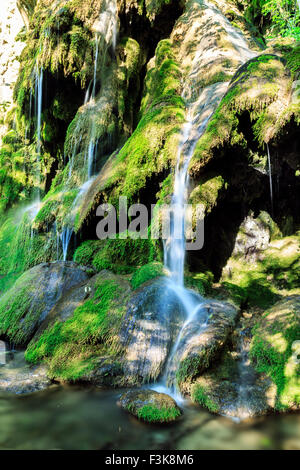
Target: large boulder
28,303
150,406
150,326
275,351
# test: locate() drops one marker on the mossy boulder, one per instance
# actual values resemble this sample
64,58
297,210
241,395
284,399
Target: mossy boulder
82,343
150,406
275,351
27,304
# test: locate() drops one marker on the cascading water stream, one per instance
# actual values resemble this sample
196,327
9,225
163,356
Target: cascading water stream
106,31
198,116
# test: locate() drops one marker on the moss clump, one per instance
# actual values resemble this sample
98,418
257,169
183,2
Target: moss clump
152,414
71,349
146,273
152,147
207,192
200,396
122,256
274,352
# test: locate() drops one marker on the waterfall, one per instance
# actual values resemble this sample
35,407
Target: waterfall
270,178
198,116
38,116
106,36
65,238
106,29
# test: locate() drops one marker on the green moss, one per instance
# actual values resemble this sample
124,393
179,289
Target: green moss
122,256
202,282
261,283
207,192
71,348
200,396
272,350
152,414
293,60
152,147
85,253
253,90
146,273
14,320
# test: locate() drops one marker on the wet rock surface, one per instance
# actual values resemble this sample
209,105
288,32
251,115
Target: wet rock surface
18,377
28,303
203,339
149,328
157,407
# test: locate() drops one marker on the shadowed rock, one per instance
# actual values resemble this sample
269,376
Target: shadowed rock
28,303
148,332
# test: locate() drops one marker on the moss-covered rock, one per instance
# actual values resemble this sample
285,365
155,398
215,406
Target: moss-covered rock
275,351
120,255
78,347
150,406
260,277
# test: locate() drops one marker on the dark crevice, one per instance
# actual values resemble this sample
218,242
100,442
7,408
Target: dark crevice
248,189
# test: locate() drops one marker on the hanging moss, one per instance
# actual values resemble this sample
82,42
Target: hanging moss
259,88
152,147
121,256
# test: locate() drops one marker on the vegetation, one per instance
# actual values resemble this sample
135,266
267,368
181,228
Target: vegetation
71,349
272,350
152,414
200,396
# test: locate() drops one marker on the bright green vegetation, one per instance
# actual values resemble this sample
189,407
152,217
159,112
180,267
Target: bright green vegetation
152,147
71,349
146,273
19,250
201,282
254,89
207,192
274,352
121,256
200,396
15,322
152,414
275,274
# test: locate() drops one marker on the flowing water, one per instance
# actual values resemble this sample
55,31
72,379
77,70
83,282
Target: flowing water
89,418
106,30
198,116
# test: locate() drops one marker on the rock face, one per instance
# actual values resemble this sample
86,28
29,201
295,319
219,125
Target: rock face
201,341
149,328
27,304
150,406
10,25
18,377
275,350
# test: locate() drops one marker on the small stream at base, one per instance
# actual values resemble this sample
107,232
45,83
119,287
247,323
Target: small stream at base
88,418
